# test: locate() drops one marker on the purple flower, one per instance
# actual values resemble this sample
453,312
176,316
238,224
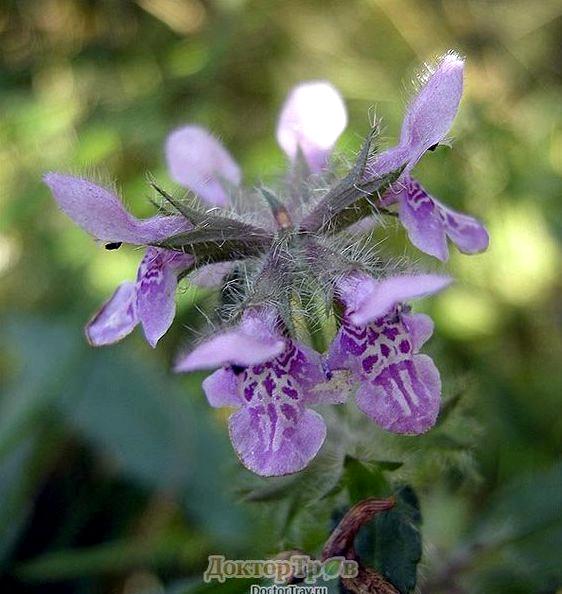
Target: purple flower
150,301
271,380
379,342
427,121
197,160
312,119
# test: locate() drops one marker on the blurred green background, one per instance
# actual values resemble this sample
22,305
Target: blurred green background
115,475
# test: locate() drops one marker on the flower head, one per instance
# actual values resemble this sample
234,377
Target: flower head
279,255
271,380
150,301
426,123
379,341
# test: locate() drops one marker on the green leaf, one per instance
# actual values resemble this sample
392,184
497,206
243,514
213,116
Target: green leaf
350,200
520,534
194,213
524,507
156,428
138,416
29,436
22,471
36,382
365,480
220,239
180,550
449,406
332,568
392,542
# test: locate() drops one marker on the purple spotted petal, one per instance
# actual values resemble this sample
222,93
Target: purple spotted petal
349,347
302,368
428,223
279,383
343,351
270,444
157,280
367,299
399,389
116,318
312,119
274,433
222,388
254,341
419,215
404,397
197,160
273,395
101,213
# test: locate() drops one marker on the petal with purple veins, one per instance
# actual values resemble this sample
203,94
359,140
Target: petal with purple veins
116,319
347,347
156,289
311,120
303,365
102,214
305,368
337,356
273,433
466,232
404,397
428,222
420,217
273,443
399,389
197,160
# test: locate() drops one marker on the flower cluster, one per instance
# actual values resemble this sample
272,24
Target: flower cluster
283,250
